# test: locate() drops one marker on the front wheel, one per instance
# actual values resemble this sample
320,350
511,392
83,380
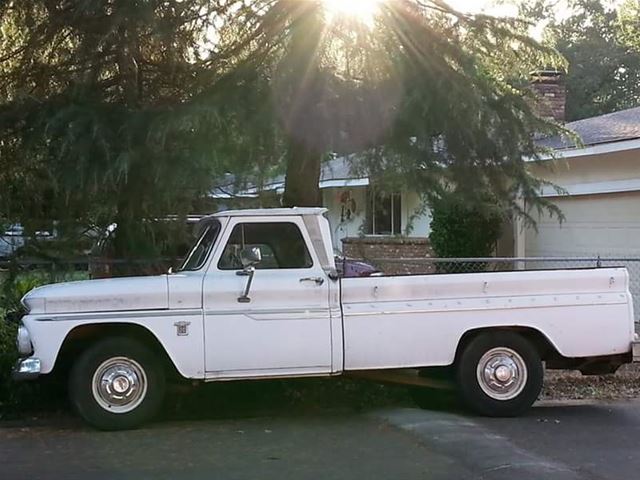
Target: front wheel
117,384
499,374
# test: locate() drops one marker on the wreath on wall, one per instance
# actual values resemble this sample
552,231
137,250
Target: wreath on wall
348,206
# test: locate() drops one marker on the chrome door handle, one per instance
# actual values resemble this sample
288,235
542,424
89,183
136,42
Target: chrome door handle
318,280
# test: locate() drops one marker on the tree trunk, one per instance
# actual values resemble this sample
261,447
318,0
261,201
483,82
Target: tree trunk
302,182
301,93
129,214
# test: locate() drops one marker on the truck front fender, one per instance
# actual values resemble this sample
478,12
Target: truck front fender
178,333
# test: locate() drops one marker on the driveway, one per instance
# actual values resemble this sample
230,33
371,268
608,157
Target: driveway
583,441
566,440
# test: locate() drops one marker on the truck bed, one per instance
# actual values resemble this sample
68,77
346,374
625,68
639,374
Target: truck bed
418,320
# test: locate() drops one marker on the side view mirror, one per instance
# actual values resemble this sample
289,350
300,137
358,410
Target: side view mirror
250,256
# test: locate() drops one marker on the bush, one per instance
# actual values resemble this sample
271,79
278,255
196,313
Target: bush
14,396
461,228
14,287
8,355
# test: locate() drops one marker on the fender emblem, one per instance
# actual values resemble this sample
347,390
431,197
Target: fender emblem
182,328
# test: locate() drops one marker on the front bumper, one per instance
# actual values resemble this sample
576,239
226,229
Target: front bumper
26,369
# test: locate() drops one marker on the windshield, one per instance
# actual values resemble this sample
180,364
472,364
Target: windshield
200,251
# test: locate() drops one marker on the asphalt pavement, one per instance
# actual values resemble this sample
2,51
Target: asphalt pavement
561,441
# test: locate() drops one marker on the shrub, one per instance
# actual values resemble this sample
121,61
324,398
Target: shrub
8,355
461,228
12,289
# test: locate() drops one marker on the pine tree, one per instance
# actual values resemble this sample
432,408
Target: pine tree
131,109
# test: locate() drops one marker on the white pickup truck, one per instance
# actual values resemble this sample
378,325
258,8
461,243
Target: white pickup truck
259,297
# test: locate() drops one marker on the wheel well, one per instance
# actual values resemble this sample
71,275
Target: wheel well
84,336
545,348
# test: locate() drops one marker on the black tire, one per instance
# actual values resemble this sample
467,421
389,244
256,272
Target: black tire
517,398
112,354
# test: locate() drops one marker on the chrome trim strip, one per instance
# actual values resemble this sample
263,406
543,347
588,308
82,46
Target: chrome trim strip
270,312
118,315
459,308
225,375
274,369
304,313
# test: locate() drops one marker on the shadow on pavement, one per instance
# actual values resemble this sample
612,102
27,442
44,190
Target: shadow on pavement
221,400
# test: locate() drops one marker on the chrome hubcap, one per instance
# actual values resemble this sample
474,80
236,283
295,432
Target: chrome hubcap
119,385
502,373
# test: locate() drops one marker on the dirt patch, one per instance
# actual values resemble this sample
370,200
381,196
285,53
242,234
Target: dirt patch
572,385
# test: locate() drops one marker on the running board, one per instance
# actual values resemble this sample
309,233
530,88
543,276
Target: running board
402,376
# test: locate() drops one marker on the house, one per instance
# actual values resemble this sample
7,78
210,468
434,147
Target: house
602,182
601,178
364,222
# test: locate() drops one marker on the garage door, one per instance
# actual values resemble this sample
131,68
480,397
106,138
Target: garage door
606,225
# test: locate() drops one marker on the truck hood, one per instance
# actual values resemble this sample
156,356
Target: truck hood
104,295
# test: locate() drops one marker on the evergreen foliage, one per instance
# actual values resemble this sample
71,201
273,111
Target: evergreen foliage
601,43
130,110
460,229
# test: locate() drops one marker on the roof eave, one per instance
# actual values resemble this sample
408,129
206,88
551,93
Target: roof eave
593,149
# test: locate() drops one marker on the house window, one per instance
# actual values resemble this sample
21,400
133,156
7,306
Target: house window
383,213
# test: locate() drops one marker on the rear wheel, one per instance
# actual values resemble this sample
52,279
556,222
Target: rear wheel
117,384
499,374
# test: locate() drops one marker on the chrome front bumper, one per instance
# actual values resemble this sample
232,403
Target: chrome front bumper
26,369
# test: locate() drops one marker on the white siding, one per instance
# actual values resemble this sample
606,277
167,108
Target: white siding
344,228
353,227
412,211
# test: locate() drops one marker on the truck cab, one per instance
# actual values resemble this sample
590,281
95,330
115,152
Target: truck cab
277,313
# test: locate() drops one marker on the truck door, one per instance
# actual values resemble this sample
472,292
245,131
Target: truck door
283,326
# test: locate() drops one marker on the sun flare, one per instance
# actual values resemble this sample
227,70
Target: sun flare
361,10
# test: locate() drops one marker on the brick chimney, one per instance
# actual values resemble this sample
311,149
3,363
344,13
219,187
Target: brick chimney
551,92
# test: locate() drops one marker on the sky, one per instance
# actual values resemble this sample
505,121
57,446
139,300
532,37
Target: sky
494,7
508,8
483,6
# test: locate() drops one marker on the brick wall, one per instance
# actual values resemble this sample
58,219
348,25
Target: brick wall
370,248
551,94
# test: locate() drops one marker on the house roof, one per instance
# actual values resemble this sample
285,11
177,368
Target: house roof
595,133
608,128
339,172
334,173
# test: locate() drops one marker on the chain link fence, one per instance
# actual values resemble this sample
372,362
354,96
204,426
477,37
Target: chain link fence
39,271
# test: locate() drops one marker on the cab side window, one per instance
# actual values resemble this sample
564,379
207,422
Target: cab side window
281,244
